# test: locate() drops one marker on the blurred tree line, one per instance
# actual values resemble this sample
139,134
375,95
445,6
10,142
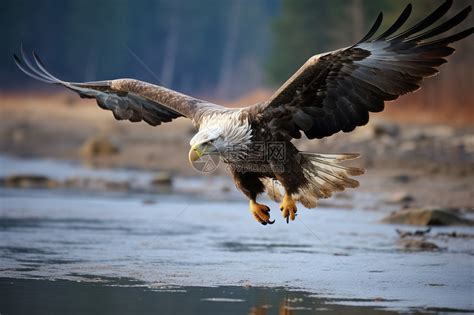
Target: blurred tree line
308,27
192,46
206,47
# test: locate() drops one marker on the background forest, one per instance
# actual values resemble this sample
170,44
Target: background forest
209,48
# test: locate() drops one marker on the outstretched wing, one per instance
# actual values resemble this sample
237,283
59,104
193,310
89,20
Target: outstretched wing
335,91
128,99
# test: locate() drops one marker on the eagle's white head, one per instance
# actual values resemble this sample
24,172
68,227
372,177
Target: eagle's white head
221,134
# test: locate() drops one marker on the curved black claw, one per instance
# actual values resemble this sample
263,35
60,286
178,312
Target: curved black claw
261,213
288,218
268,211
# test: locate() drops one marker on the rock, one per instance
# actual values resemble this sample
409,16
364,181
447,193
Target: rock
423,134
97,184
384,128
149,201
434,169
400,197
30,181
116,185
440,132
466,142
418,245
358,135
427,217
454,234
76,182
226,189
402,178
162,179
343,195
98,146
407,146
404,234
19,135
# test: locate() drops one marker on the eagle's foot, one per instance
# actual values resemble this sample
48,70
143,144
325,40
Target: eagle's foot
260,212
288,208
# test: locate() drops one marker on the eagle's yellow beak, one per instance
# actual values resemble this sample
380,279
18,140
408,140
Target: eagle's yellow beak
194,154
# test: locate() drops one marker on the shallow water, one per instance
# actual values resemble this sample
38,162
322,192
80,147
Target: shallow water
329,255
20,296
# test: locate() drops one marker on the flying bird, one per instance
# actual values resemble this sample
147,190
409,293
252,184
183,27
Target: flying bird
331,92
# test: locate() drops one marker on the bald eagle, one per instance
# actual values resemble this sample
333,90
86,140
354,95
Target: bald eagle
331,92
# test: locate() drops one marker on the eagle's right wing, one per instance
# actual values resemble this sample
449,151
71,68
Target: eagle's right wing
128,99
335,91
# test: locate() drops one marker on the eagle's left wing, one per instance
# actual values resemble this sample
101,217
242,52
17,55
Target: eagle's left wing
128,99
335,91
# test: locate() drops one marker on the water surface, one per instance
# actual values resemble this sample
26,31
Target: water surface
180,247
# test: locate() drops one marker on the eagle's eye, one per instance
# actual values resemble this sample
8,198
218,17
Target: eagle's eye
207,143
213,140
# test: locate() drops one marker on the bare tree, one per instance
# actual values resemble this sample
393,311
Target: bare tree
225,78
171,46
357,14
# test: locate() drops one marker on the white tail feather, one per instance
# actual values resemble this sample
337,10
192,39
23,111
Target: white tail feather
325,175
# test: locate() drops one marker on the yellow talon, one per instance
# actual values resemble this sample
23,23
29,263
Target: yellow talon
260,212
288,208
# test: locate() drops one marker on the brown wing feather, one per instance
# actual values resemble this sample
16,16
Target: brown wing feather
335,91
128,99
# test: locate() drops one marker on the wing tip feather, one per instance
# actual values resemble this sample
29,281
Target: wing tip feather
398,23
372,30
39,72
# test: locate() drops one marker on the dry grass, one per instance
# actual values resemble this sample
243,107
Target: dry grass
411,108
57,125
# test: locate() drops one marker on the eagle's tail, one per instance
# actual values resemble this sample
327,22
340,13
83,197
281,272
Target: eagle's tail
325,175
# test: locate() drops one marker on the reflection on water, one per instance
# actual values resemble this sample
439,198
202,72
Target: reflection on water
115,296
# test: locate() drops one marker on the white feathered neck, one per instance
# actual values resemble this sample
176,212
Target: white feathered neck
227,128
